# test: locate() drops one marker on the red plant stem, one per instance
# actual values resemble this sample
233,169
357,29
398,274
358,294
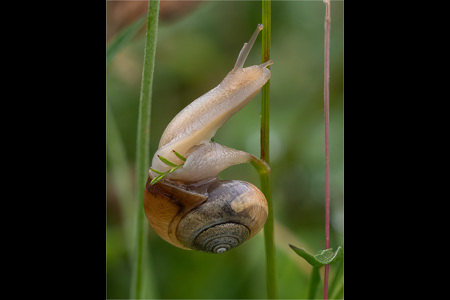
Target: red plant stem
326,99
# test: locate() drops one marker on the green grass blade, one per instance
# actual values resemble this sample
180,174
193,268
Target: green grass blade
339,294
140,276
122,38
310,258
337,286
157,172
179,155
167,162
313,283
265,178
157,178
324,257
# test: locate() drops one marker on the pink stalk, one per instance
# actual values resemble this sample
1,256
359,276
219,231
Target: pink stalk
326,99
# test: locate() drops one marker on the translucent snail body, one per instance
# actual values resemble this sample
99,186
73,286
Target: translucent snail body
190,208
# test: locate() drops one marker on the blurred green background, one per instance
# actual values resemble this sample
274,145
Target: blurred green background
195,50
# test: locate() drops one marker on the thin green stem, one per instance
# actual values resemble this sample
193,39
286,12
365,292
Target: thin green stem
313,282
140,275
265,176
269,239
265,91
337,283
327,122
170,164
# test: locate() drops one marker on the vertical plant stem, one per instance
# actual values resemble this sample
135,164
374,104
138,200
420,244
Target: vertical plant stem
265,178
326,98
337,283
265,91
140,276
313,282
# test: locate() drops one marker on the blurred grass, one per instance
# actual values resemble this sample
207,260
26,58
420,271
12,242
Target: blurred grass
142,280
266,187
193,55
122,38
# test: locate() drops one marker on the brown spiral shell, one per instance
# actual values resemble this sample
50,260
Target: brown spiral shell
213,216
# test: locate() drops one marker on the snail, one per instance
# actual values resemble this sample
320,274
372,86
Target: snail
184,201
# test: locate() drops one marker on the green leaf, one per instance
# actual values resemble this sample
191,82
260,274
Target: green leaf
170,164
167,162
324,257
157,172
307,256
179,155
158,178
328,256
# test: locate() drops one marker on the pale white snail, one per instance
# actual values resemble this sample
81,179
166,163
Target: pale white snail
190,208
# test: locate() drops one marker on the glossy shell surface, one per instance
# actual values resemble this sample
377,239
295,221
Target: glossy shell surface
213,216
